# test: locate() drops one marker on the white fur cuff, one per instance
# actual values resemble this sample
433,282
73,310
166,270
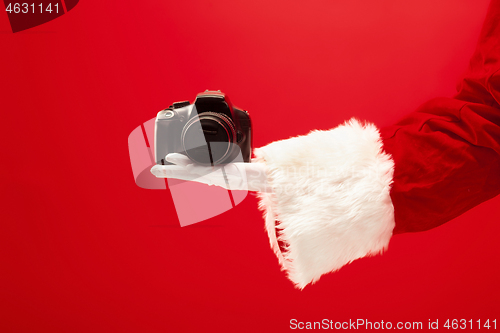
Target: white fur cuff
330,203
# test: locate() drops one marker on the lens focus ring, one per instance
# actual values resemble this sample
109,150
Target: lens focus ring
214,142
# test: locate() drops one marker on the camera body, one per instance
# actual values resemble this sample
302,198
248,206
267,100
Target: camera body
210,131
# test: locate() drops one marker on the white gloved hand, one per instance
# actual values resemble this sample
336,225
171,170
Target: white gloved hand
232,176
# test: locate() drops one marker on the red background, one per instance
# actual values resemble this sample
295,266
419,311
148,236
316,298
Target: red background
82,248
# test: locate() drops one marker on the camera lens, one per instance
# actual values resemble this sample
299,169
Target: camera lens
209,138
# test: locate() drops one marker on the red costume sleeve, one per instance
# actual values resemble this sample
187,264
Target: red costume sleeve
340,195
447,153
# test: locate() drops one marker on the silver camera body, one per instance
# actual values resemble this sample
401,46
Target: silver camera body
210,131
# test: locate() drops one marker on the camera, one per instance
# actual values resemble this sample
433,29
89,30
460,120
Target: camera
210,131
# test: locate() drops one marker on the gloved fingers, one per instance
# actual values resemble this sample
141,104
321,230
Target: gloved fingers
230,170
226,176
256,176
234,176
201,170
178,159
173,171
254,169
254,172
240,176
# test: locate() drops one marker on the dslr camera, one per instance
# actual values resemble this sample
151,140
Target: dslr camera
211,131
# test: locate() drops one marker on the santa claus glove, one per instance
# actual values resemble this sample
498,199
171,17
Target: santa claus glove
232,176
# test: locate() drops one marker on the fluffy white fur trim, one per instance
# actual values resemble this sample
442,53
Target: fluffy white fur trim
330,203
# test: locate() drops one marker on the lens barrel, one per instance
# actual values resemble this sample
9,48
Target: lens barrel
209,138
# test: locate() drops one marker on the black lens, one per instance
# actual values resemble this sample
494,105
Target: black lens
209,138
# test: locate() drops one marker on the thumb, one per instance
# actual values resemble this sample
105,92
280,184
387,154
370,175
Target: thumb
178,159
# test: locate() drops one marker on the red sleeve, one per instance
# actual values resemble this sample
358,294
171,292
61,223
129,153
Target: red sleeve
447,153
340,195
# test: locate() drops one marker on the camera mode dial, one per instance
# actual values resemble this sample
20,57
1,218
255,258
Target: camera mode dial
178,105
